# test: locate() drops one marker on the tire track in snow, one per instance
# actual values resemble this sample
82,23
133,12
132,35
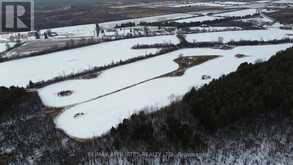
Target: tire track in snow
139,83
113,92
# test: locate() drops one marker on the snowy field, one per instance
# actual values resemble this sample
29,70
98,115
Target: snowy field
132,73
146,19
210,4
212,28
20,72
90,29
76,60
231,3
100,115
260,20
239,13
283,2
269,34
198,4
3,45
197,19
75,31
109,81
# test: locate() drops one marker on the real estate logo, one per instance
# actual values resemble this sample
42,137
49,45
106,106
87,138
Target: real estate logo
16,15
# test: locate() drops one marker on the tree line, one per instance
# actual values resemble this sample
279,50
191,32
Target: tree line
197,23
97,69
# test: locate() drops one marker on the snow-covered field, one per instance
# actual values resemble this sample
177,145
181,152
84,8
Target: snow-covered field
109,81
76,60
90,29
198,4
238,13
132,73
20,72
212,28
269,34
211,4
75,31
231,3
283,2
259,20
197,19
3,45
96,117
146,19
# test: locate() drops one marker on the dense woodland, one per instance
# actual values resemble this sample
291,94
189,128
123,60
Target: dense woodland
245,117
8,96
